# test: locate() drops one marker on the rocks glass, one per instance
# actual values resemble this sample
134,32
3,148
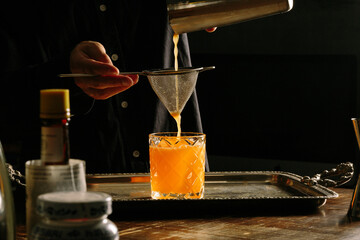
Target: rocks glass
177,165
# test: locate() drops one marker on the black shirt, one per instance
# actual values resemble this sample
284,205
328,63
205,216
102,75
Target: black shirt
110,135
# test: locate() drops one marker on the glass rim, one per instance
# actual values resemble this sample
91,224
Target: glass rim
174,134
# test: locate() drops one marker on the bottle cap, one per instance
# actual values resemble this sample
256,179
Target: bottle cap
54,103
74,205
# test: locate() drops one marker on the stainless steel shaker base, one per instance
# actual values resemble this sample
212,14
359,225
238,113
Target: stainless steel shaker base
190,16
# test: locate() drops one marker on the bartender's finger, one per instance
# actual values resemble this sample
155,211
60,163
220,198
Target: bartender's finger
91,50
210,30
103,82
102,94
116,77
96,51
91,57
101,88
98,68
133,77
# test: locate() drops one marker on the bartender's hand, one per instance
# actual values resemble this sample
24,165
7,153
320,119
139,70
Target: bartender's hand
90,57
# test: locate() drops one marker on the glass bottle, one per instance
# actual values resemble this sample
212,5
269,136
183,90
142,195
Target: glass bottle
55,117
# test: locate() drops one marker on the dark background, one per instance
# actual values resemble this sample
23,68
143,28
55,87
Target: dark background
284,89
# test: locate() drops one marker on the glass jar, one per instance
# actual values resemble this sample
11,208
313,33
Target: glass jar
74,215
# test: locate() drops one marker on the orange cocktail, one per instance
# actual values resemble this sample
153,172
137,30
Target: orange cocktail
177,165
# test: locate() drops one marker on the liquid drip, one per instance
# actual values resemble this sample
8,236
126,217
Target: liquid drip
176,40
176,115
177,118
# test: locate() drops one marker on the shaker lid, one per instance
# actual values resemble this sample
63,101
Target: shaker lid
74,205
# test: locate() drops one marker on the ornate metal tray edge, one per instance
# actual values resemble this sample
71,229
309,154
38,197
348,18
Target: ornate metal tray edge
292,179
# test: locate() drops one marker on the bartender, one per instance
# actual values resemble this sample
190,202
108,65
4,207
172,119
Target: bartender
110,125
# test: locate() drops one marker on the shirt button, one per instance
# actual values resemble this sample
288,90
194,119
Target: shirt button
114,57
136,154
124,104
102,7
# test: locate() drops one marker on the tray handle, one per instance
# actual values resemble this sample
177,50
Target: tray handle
15,175
331,178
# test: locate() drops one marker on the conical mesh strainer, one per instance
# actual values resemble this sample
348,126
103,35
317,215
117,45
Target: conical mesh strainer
174,88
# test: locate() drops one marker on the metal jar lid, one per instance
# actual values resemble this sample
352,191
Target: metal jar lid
74,205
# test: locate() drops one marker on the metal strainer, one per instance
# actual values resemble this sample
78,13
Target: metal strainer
174,88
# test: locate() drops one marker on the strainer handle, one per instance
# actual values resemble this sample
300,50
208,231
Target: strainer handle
207,68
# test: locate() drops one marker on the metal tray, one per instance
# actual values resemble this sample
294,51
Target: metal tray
225,192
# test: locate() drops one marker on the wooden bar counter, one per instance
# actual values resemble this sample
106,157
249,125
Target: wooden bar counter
328,222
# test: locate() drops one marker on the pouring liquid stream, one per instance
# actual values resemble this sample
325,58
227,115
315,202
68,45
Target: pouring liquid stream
176,115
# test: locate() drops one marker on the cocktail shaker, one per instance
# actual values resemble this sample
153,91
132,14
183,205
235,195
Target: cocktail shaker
189,16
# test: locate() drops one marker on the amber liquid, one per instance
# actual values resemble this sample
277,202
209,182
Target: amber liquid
176,115
176,40
177,169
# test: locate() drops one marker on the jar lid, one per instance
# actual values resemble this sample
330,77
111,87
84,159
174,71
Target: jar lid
54,103
74,205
